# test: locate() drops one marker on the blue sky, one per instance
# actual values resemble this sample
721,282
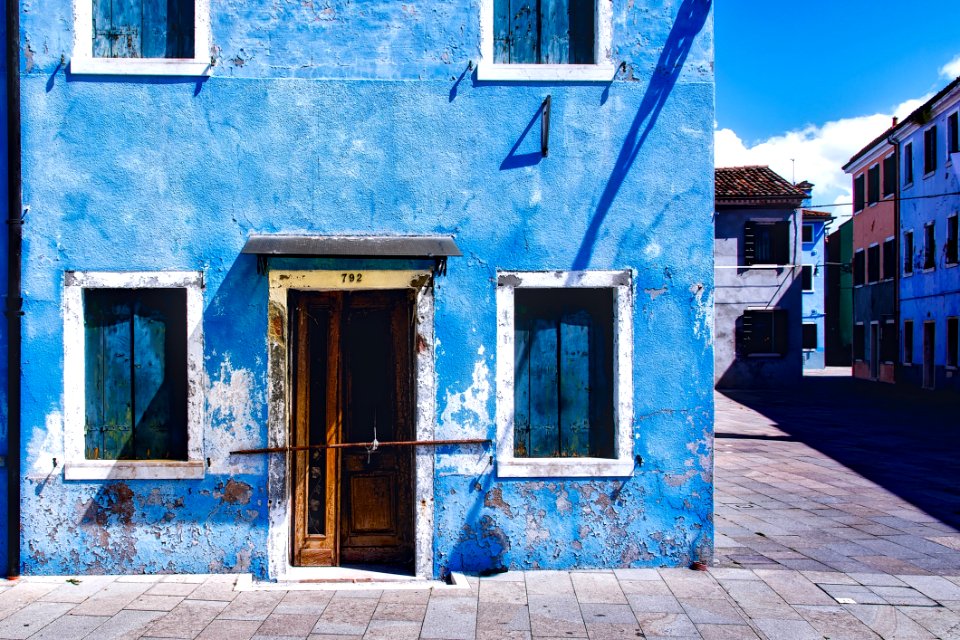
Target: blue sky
817,80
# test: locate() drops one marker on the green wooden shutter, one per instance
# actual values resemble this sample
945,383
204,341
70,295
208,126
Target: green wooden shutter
524,44
554,32
574,360
544,405
109,423
143,28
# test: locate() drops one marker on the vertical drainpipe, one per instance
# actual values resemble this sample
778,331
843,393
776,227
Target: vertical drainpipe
14,308
898,360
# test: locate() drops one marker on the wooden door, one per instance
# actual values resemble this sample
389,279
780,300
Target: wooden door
354,370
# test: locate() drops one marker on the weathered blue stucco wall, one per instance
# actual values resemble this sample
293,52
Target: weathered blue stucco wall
814,302
355,119
929,295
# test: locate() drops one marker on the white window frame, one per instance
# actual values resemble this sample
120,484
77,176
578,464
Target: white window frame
813,273
812,324
622,464
84,62
76,466
813,233
603,70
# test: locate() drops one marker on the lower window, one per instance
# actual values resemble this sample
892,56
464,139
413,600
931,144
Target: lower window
953,342
133,409
763,332
810,341
564,374
908,342
859,342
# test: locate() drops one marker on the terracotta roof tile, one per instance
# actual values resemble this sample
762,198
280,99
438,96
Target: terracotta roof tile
754,182
817,215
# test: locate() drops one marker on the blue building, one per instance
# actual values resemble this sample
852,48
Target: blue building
309,231
928,144
813,273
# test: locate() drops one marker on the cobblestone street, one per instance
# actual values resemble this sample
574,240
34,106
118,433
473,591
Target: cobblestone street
836,518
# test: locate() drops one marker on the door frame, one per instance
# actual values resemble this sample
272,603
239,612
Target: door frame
280,392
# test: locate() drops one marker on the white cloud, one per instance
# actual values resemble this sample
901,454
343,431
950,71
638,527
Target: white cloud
818,151
951,70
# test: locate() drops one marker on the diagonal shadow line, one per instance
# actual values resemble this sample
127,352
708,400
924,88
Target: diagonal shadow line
516,160
691,18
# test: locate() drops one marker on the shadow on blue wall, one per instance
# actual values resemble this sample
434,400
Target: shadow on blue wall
691,18
515,160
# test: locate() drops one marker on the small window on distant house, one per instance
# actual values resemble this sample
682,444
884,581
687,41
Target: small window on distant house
908,163
889,259
929,247
859,271
766,242
538,32
806,272
807,233
953,240
930,150
136,370
908,252
810,341
953,342
873,184
859,346
888,342
564,364
763,332
859,193
873,263
889,175
908,342
953,133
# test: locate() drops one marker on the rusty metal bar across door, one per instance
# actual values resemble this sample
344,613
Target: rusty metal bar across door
364,445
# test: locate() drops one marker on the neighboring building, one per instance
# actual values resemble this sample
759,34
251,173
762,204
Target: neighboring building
839,302
245,231
929,146
5,497
874,173
759,302
813,284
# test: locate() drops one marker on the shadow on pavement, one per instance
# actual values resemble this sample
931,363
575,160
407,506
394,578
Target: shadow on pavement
907,441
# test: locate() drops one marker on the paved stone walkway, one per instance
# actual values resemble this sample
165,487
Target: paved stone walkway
836,519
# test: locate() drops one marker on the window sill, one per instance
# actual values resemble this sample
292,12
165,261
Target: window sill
564,467
140,67
133,470
907,274
907,185
950,265
929,174
809,291
928,270
487,71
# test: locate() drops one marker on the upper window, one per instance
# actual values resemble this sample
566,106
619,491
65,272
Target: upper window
806,272
564,374
908,163
539,40
766,242
142,37
873,263
930,149
807,233
953,241
889,175
859,193
929,247
873,184
908,252
888,342
859,271
135,341
889,259
953,133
